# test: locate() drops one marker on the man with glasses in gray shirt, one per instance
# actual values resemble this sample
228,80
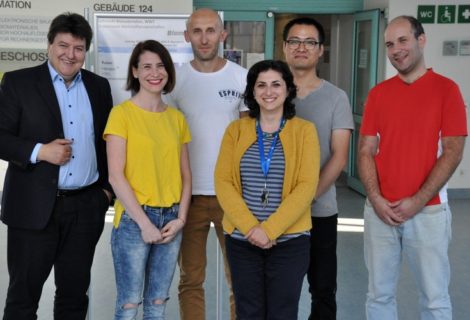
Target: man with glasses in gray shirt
328,107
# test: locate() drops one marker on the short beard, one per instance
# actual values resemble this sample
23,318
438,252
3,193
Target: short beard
209,57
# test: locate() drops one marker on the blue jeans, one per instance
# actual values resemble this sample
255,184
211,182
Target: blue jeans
424,241
143,268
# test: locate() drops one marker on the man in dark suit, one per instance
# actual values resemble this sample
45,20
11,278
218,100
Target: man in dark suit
56,189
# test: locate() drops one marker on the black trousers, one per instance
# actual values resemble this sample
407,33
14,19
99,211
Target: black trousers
67,243
267,283
322,271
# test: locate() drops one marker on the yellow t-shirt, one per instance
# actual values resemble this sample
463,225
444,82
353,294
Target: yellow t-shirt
153,153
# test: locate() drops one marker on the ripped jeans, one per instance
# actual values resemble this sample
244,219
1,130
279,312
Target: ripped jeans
143,269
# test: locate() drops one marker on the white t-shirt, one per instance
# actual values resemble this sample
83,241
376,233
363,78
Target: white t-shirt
209,101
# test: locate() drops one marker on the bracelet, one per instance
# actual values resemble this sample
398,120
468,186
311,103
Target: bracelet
182,220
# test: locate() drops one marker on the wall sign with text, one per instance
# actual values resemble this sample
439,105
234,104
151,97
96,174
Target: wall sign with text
117,34
444,14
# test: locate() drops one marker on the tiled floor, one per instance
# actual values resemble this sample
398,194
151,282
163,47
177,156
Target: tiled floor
352,275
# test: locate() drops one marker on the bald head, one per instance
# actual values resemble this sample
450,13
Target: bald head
405,41
204,14
415,25
205,31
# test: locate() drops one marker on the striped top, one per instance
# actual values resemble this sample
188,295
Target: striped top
252,180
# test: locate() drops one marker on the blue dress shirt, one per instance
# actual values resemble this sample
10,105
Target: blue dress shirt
77,121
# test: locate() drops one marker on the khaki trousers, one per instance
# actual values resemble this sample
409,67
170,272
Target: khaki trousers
193,260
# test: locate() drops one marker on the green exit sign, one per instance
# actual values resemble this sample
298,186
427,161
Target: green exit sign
426,14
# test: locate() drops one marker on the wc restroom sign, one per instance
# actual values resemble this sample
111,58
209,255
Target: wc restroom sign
443,14
426,14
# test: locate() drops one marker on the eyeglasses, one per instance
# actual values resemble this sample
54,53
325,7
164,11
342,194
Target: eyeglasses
308,44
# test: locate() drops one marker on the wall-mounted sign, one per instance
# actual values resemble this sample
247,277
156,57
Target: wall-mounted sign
23,56
24,31
426,14
15,4
464,14
446,14
465,47
18,58
363,59
117,34
450,48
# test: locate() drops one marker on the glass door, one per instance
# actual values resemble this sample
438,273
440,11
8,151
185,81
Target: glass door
364,77
250,37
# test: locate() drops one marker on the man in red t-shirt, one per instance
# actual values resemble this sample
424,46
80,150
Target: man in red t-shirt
412,139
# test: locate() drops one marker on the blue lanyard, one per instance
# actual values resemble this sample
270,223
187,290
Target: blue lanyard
266,161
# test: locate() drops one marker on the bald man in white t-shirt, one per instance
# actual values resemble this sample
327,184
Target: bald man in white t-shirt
209,92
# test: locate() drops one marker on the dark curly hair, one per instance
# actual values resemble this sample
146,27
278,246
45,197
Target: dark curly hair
263,66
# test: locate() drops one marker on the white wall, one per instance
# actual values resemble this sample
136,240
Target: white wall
24,23
455,67
54,7
41,12
374,4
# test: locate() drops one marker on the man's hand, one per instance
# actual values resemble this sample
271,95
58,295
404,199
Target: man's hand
385,212
406,208
57,152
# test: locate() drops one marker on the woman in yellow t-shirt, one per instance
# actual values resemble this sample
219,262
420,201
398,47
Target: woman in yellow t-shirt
149,172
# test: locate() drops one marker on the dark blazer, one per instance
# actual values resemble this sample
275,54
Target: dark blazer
30,113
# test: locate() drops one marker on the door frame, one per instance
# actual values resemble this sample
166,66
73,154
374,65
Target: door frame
260,16
373,16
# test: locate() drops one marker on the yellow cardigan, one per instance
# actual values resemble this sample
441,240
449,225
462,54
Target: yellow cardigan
302,166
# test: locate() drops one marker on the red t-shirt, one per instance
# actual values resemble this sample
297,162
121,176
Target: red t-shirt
409,120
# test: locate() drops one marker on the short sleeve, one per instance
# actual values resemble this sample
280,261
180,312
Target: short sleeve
454,118
117,124
342,117
185,133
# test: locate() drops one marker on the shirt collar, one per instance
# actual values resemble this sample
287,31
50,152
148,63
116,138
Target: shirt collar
56,76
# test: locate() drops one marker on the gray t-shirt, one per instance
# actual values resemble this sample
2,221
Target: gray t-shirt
328,108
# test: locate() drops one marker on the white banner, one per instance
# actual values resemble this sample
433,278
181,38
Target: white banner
117,34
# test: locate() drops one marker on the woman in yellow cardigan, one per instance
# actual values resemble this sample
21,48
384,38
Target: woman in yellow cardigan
265,180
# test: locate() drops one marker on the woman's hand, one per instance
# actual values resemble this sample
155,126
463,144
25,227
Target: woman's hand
258,237
170,230
151,234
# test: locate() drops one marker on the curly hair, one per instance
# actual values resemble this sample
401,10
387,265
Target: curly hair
252,76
